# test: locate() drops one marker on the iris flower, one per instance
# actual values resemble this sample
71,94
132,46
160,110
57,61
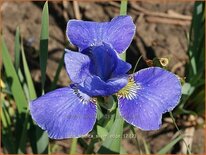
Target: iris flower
97,70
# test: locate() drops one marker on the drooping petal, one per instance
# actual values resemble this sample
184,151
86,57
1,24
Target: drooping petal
77,65
64,113
94,86
118,33
148,94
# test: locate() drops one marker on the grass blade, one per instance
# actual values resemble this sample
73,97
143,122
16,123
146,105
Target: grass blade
32,95
169,146
11,74
44,43
17,49
123,11
56,77
32,92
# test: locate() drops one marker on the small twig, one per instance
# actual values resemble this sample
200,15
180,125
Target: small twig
189,133
170,14
173,119
76,10
167,21
65,6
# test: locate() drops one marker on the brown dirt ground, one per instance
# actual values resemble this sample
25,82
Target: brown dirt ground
152,38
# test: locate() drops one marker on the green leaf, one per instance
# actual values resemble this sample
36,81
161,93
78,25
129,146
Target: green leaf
7,135
17,49
102,132
11,74
42,142
56,77
32,92
169,146
112,143
44,43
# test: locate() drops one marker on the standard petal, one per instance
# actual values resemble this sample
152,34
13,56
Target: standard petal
149,93
94,86
121,69
118,33
84,34
103,61
64,113
77,65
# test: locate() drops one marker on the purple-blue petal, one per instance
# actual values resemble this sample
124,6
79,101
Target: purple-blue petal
64,113
77,65
84,34
118,33
103,61
121,69
95,86
155,92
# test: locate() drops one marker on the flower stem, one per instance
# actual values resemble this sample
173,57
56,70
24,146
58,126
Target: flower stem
73,146
135,67
123,7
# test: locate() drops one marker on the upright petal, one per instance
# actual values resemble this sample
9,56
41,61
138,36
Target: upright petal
148,94
103,61
94,86
84,34
118,33
64,113
77,65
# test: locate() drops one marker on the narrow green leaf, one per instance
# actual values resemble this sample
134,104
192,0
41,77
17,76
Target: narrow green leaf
169,146
7,135
112,142
23,139
11,74
123,11
32,92
146,147
44,43
17,49
56,77
42,142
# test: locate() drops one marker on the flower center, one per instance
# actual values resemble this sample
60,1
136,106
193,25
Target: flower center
130,90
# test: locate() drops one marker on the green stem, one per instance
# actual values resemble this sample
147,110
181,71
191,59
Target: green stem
137,141
188,149
123,7
135,67
73,146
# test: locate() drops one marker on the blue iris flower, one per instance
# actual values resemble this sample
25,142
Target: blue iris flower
97,70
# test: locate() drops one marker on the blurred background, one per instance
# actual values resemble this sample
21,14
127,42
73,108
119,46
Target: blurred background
173,30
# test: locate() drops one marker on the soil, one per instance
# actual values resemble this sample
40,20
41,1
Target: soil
152,38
